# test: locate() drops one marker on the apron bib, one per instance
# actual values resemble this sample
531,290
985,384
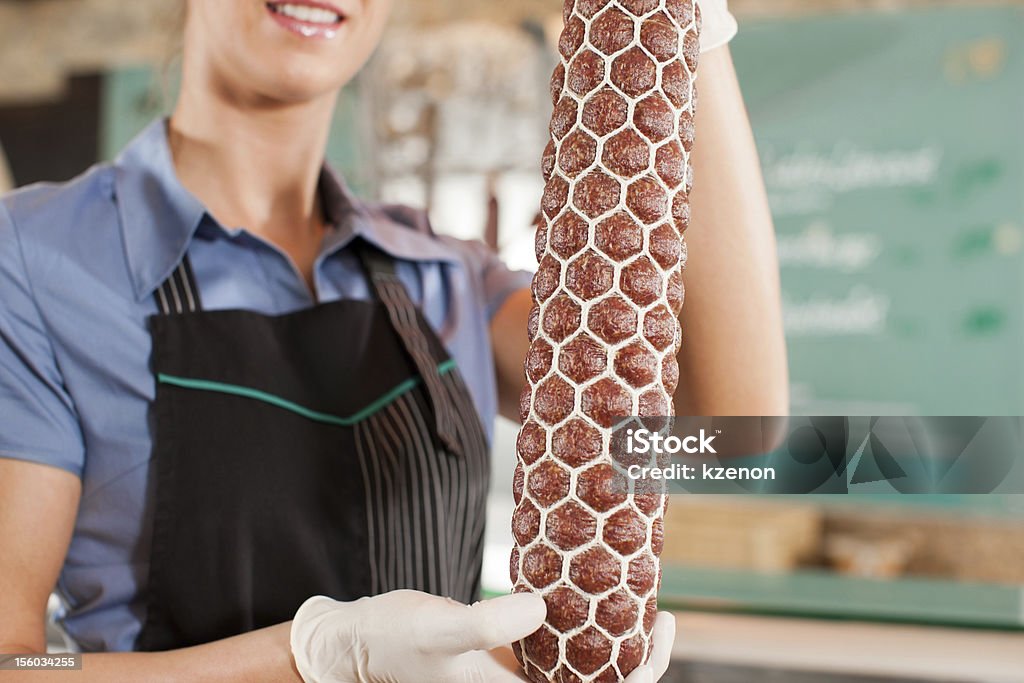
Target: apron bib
333,451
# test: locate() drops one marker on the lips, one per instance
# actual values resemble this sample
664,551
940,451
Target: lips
310,19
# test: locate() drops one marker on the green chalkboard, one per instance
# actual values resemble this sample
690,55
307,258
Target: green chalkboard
893,152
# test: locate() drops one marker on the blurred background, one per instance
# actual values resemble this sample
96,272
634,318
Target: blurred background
891,138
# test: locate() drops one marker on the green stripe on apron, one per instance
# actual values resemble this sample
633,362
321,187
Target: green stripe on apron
255,394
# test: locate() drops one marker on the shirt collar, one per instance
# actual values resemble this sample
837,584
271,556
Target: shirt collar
159,216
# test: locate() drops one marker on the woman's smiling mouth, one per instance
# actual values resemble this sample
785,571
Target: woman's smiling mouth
307,18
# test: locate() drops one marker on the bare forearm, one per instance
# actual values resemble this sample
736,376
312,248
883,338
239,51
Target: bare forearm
733,359
258,657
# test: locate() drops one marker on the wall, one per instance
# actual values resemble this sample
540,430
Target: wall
42,40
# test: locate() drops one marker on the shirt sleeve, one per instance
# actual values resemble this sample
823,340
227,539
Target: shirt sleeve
38,422
498,280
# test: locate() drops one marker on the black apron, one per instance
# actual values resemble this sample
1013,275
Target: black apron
334,451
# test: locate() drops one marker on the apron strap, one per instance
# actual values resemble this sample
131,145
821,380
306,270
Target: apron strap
178,293
402,311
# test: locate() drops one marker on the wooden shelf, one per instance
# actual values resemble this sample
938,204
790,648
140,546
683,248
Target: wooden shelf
834,651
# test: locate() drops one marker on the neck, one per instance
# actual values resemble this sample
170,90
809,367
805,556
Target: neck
253,164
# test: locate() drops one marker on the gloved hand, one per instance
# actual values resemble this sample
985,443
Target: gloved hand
719,24
408,636
411,637
662,638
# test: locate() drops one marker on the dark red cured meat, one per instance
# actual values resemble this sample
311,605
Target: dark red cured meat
604,331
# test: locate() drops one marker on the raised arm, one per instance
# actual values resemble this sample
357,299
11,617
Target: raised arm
733,358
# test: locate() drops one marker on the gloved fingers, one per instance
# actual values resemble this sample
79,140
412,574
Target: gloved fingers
663,637
719,24
455,628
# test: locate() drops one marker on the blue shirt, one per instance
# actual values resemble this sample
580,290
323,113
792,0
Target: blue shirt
79,264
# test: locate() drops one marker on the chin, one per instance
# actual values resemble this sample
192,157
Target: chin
297,83
282,51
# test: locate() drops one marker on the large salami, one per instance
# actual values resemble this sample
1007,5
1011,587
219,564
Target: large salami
604,330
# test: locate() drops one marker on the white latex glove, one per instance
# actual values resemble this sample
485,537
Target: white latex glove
662,638
413,637
719,24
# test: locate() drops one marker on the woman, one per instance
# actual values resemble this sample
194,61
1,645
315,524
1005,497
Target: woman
193,299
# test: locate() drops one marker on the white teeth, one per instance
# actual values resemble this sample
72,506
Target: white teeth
313,15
